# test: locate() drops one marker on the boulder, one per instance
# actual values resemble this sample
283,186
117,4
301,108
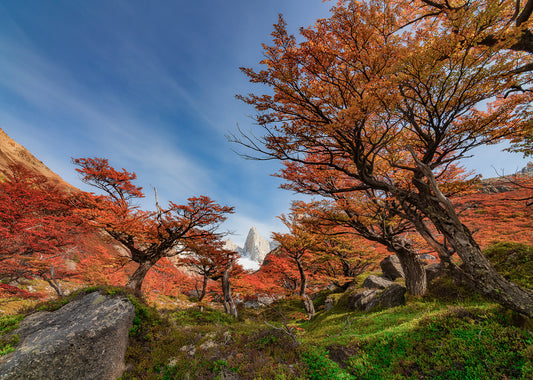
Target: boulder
376,282
391,267
361,300
434,271
85,339
393,296
329,302
372,299
428,257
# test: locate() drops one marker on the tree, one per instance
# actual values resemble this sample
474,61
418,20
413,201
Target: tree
496,25
207,257
38,227
149,236
296,245
390,110
336,253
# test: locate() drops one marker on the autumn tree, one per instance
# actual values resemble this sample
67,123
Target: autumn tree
337,253
38,227
390,109
149,236
296,245
207,257
495,25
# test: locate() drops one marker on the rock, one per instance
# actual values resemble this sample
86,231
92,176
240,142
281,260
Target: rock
391,267
375,282
372,299
85,339
329,303
393,296
360,300
428,257
265,299
434,271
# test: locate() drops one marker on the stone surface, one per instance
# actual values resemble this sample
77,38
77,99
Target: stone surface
361,300
391,267
434,271
256,247
329,303
376,282
393,296
85,339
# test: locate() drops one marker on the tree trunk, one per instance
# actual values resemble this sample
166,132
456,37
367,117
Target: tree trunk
229,304
477,269
136,280
55,285
413,269
204,289
307,302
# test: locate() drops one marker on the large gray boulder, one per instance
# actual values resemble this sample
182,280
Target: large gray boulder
391,267
434,271
373,299
393,296
361,300
85,339
376,282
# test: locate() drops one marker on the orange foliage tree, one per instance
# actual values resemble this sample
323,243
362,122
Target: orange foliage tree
390,109
207,257
38,227
149,236
296,246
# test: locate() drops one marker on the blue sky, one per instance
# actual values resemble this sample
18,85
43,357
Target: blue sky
151,85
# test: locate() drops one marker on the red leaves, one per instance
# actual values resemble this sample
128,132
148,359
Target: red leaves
38,224
116,184
149,236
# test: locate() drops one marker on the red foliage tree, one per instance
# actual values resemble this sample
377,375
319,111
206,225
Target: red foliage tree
38,227
297,247
207,257
149,236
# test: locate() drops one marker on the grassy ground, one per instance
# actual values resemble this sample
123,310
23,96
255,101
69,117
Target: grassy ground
450,333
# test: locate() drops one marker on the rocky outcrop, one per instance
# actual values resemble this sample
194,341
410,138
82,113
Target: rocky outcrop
376,282
391,267
373,299
362,300
434,271
85,339
256,247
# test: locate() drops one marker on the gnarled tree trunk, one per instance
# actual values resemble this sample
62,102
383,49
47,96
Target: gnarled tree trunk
229,304
204,288
307,302
413,268
477,270
136,280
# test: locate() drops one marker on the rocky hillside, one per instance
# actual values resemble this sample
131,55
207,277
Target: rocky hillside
12,152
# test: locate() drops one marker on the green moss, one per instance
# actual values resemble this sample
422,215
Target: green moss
9,341
461,343
514,261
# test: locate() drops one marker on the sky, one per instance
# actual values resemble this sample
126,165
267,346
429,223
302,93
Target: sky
151,86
